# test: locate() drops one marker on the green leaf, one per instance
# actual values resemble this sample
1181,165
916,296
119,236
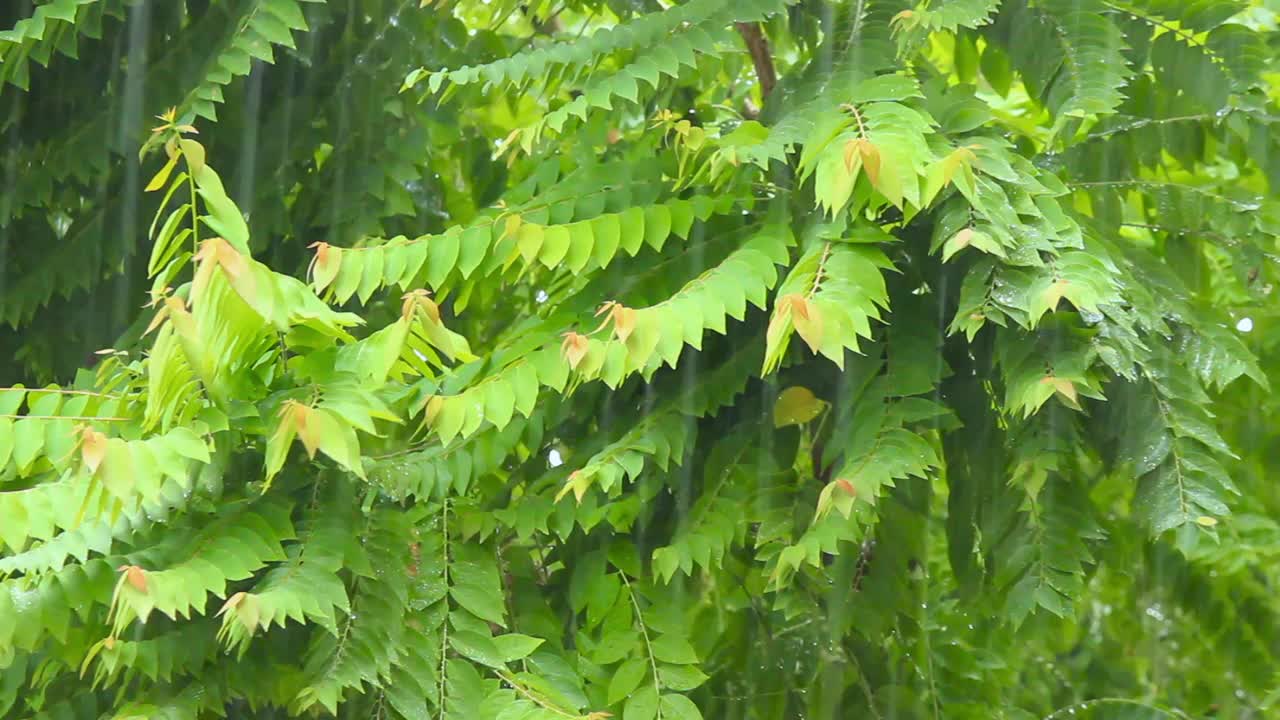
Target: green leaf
642,705
672,649
477,589
626,679
6,440
162,175
681,678
796,406
187,444
223,217
679,707
28,443
477,647
513,646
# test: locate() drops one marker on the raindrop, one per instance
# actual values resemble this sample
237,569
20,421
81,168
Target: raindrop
541,297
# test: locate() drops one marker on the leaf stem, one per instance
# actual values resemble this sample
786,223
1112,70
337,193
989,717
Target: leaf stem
515,684
61,391
644,632
195,214
444,627
822,267
1089,704
85,418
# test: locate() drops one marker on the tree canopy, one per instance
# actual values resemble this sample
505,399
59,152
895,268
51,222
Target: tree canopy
758,359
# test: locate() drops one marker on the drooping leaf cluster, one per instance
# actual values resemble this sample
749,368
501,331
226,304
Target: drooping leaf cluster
546,360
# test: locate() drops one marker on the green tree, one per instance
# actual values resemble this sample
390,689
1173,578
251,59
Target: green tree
574,359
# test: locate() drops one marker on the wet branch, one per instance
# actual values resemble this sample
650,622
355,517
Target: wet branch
758,47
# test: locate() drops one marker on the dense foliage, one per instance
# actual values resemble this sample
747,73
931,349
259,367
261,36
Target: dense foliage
588,358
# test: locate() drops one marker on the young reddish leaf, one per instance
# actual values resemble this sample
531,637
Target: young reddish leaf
958,242
1062,386
574,348
299,416
135,576
624,322
419,300
231,603
806,319
959,158
870,161
851,154
578,483
325,265
93,446
246,607
217,252
1054,293
624,319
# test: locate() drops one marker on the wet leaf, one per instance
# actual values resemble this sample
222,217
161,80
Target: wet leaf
796,406
642,705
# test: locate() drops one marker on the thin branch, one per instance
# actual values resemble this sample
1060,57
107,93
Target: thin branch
761,57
